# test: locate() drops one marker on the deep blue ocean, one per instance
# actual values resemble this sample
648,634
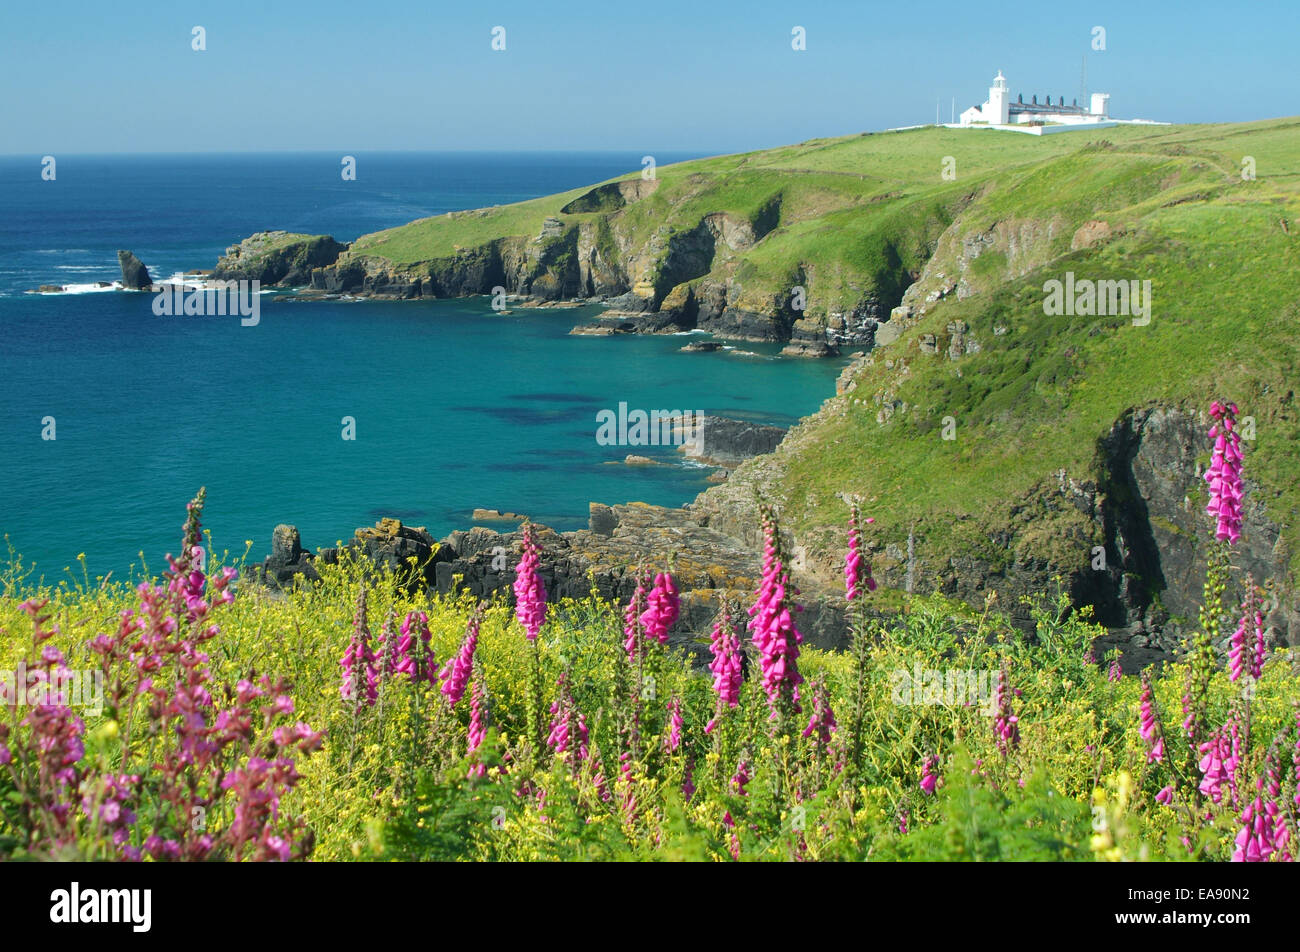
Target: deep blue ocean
456,406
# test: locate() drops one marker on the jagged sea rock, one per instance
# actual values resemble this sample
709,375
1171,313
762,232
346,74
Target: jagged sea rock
135,276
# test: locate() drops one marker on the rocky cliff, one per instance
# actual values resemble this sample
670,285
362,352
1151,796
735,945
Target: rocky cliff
620,540
1003,448
277,258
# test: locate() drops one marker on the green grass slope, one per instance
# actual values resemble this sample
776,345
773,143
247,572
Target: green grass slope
1222,254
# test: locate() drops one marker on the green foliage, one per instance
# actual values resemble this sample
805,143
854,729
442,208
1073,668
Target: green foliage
395,781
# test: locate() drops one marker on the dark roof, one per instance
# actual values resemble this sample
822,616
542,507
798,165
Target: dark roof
1047,107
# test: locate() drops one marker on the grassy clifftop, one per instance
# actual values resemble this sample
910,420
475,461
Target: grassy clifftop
1006,438
1007,441
851,220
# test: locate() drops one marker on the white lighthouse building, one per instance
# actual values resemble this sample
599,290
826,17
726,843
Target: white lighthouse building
1000,110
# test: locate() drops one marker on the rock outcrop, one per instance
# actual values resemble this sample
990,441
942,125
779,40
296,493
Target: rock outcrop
725,442
708,566
135,276
1129,538
278,258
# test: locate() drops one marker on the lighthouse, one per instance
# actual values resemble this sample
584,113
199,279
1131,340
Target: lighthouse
998,109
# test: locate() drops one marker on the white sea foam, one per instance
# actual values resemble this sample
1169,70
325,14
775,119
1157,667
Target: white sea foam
87,288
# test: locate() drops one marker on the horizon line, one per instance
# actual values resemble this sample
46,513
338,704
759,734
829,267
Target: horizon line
701,152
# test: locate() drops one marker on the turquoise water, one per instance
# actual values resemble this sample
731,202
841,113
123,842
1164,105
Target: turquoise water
455,406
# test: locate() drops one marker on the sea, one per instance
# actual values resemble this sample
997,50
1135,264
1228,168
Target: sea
112,417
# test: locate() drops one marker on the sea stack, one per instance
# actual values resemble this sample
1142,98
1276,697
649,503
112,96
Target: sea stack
135,276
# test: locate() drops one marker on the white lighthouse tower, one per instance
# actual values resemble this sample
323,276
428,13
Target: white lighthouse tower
998,109
1101,105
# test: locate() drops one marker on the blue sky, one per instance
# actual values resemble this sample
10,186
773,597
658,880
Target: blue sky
695,76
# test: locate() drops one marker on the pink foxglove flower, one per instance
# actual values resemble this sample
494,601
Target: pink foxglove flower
1246,651
1166,795
674,739
772,625
1220,757
929,774
530,594
1224,473
1295,759
662,608
388,654
456,672
740,779
857,572
568,727
821,725
477,725
416,661
1254,842
633,627
360,676
1005,721
1149,728
728,673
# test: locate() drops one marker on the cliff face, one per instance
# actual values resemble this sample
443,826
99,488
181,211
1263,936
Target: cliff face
1127,536
277,258
999,445
745,255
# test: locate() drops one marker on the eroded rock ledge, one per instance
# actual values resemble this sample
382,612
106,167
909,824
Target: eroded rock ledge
605,556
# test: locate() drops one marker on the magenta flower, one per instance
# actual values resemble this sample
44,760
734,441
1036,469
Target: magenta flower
360,677
1150,725
1246,653
1224,473
1220,757
1005,722
456,672
662,608
568,727
1115,673
674,738
929,775
772,625
388,654
857,573
740,779
416,659
1295,759
632,624
728,674
1255,841
1166,795
530,594
821,725
477,725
